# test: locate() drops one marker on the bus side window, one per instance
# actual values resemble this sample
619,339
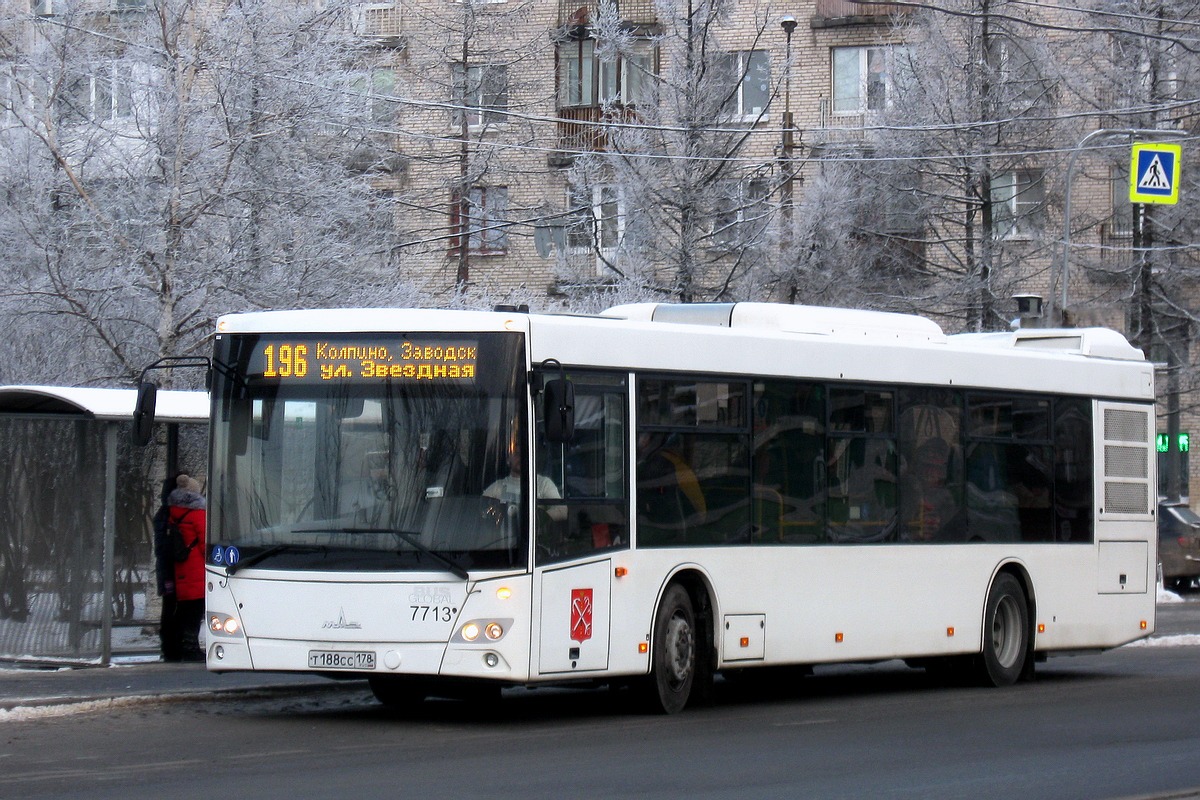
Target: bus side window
932,491
1073,469
693,462
1010,469
789,462
862,465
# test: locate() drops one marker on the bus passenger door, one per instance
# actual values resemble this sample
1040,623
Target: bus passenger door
575,607
582,518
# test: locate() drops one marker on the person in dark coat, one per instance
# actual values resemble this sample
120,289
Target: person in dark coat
187,509
164,574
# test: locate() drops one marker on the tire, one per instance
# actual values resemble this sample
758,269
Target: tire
674,653
397,693
1005,655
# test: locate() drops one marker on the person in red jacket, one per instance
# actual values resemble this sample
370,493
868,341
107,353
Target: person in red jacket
186,509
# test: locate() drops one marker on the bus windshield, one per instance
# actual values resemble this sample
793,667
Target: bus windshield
368,452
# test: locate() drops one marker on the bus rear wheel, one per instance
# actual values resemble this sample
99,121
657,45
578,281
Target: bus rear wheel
674,652
1005,633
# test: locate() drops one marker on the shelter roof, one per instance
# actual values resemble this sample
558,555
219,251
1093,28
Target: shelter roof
103,404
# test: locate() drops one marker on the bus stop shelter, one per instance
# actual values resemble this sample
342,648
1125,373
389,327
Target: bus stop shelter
76,500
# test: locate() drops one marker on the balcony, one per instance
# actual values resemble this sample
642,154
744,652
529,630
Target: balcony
840,130
581,12
377,22
836,13
581,128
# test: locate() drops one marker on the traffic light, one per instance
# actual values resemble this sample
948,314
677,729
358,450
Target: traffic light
1162,442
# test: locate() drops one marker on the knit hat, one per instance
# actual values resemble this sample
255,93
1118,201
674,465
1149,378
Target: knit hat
187,483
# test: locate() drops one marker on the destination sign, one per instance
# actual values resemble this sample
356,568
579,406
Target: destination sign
296,359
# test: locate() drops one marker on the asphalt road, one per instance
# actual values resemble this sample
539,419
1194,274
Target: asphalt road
1117,725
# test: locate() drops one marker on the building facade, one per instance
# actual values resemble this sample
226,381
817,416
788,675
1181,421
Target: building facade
571,152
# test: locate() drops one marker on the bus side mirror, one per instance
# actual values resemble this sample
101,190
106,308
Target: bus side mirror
558,409
143,414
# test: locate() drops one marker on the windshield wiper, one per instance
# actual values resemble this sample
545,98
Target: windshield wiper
411,538
250,561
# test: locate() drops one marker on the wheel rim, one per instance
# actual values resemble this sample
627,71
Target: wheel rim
679,652
1006,632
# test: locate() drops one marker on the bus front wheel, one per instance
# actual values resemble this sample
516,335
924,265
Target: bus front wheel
674,651
1005,633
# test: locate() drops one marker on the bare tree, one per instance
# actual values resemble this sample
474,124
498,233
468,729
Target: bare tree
946,194
179,161
675,192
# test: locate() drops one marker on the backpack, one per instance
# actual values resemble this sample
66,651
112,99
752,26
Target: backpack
175,545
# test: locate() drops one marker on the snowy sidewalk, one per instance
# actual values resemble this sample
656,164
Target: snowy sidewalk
29,687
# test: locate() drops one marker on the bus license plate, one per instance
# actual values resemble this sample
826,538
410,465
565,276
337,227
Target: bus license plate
341,659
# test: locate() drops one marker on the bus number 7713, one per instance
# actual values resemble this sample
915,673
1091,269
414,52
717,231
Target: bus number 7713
663,493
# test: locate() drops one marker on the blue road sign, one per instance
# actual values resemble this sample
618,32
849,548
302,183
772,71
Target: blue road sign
1154,173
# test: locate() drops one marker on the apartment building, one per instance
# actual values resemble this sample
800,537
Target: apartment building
548,150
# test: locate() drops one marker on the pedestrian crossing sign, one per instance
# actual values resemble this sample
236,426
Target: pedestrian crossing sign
1154,173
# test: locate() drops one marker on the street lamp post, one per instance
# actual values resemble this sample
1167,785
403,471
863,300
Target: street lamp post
1064,271
788,23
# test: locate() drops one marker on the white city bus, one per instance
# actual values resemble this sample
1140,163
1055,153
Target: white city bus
449,502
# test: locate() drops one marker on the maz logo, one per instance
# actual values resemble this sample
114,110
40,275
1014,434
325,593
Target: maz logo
341,623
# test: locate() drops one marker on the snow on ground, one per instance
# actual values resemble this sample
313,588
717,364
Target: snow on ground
1167,596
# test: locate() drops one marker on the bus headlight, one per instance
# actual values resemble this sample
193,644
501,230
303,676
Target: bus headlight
223,625
493,630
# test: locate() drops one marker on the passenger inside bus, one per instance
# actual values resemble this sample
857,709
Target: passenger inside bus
930,510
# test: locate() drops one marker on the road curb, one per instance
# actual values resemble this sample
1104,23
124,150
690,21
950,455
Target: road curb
61,705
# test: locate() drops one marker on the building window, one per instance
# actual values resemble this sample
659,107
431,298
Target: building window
596,219
585,79
577,73
374,94
486,210
1142,79
1018,204
481,92
362,99
862,79
1121,224
16,98
899,210
381,210
1019,81
746,76
742,214
105,94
